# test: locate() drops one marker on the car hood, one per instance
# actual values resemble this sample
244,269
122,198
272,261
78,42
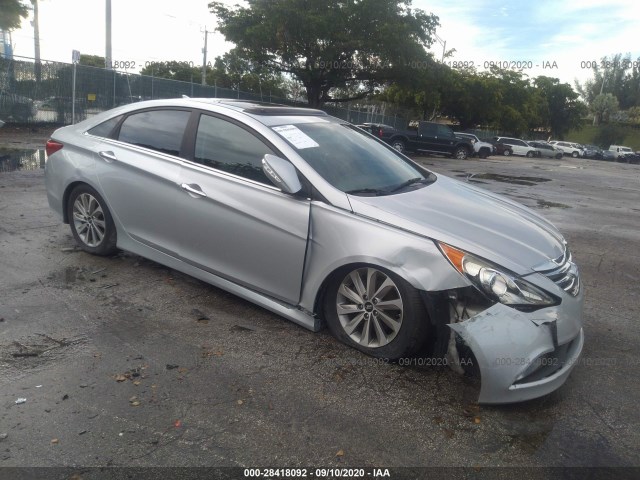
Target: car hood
472,219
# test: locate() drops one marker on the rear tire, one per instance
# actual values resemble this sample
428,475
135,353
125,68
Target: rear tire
530,154
376,312
399,146
91,222
507,152
574,154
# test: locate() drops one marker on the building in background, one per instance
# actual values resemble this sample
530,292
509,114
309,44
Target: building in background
6,49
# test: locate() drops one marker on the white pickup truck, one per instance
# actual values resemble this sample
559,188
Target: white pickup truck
619,150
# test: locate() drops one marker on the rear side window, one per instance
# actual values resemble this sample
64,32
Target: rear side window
226,146
105,128
159,130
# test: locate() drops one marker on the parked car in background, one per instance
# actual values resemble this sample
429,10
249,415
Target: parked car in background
16,108
310,217
574,150
619,150
480,148
608,155
544,149
430,137
501,148
517,146
592,151
376,129
629,158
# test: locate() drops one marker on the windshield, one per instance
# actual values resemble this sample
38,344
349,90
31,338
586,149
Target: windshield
351,160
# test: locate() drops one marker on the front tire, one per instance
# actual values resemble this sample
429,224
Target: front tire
574,154
461,153
91,222
530,154
376,312
507,152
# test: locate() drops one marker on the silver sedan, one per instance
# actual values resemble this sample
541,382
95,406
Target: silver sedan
322,223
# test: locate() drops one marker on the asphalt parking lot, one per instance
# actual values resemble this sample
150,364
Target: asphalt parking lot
123,362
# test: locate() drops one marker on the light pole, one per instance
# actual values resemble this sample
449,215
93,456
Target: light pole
443,43
107,57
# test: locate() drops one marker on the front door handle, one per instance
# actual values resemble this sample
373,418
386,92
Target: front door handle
193,189
108,156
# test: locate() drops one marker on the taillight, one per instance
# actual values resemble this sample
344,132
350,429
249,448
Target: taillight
52,147
380,133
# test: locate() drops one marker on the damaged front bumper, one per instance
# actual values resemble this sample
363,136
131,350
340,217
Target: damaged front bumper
523,355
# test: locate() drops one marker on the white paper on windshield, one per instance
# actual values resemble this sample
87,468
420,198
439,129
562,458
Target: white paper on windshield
297,137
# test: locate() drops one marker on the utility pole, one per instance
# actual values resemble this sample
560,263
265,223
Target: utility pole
37,66
204,57
107,58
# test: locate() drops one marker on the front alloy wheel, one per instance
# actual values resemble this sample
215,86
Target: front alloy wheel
376,312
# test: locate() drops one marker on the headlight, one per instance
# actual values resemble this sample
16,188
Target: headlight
496,283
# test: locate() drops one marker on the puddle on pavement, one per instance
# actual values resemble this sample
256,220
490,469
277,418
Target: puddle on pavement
22,159
528,181
547,204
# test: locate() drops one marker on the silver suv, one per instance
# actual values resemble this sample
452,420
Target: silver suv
573,149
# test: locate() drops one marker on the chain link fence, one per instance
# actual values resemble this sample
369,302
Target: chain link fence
40,93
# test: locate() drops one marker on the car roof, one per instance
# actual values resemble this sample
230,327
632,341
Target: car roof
266,113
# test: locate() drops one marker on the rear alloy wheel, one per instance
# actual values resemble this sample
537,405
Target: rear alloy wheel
529,154
461,153
506,153
91,222
574,154
376,312
398,145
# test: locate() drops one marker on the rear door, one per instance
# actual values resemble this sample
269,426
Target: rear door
139,171
233,221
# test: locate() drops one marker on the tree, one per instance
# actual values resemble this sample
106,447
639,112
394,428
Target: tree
92,60
174,70
13,11
329,44
603,106
234,70
562,109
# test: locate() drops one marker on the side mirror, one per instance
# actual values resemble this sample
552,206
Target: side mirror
281,173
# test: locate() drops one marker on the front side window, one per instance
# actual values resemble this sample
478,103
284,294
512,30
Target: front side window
444,131
350,160
226,146
160,130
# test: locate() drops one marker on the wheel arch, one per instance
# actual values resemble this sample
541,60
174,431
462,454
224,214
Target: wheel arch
67,193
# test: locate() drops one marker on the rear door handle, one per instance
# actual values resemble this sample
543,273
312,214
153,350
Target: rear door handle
193,189
108,156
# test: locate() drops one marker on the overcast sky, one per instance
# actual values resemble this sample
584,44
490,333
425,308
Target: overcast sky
566,32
